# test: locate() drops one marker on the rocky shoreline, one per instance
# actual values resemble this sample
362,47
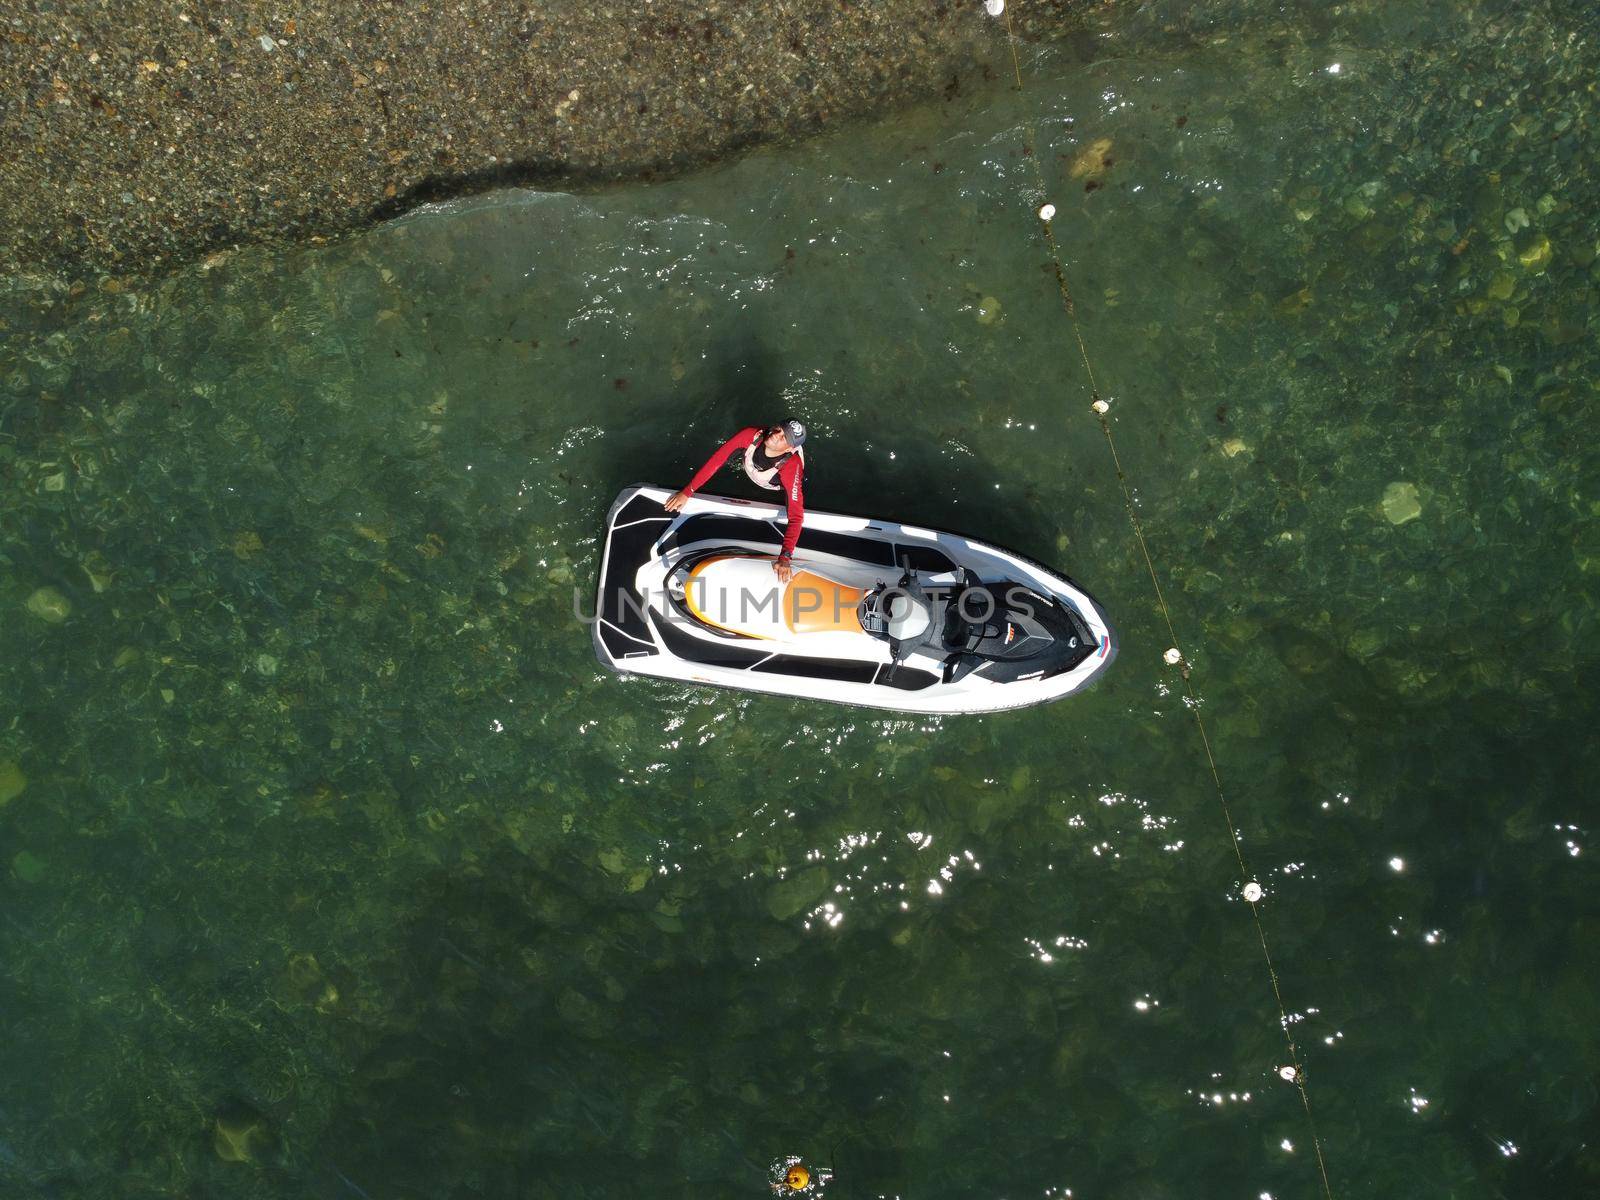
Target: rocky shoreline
139,138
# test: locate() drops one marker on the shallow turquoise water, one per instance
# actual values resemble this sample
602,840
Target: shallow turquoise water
331,849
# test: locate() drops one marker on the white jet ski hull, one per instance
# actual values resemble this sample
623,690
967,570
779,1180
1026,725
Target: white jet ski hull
654,616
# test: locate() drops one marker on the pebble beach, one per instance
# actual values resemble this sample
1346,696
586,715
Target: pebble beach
139,138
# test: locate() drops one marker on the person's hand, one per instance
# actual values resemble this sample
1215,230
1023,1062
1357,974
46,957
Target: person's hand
782,568
676,501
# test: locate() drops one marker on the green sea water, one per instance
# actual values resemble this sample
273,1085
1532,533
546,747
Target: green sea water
332,865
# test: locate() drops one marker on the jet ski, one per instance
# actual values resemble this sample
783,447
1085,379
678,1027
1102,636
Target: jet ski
876,613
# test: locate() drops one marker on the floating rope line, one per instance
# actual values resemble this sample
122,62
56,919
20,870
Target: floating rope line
1174,657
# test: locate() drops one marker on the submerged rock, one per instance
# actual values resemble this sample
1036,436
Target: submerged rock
48,604
98,569
1366,643
28,867
1401,503
1535,256
240,1134
1091,160
12,781
794,895
1359,203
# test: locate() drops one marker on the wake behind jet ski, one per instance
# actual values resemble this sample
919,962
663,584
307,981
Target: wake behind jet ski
874,613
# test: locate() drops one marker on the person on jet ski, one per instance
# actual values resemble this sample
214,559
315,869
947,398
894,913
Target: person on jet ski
773,459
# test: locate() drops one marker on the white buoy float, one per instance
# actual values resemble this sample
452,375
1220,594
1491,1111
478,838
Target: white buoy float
1046,212
994,7
1101,407
1252,891
1288,1074
1173,656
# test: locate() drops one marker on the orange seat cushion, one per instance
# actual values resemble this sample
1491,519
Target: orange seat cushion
812,604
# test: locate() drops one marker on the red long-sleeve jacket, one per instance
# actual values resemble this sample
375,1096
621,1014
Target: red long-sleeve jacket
790,473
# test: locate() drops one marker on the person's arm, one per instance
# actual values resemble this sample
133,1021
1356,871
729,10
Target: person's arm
790,475
714,464
676,501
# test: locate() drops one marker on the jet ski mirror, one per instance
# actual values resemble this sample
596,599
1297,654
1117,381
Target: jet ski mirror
957,667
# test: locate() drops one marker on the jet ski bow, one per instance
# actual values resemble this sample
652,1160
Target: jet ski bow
875,613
